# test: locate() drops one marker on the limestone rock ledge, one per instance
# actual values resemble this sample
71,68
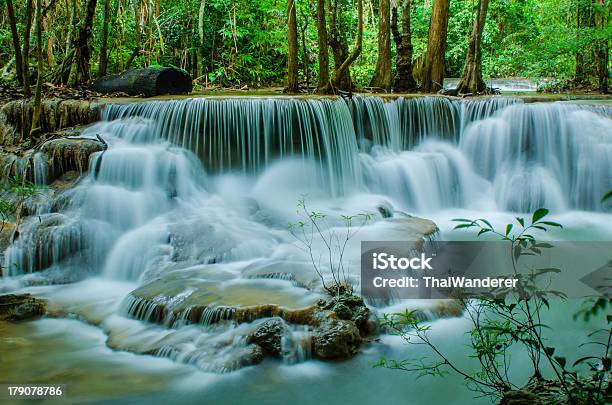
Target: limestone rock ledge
21,307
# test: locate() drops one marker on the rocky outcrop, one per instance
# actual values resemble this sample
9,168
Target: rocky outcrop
56,114
21,307
63,155
48,240
335,339
269,336
52,160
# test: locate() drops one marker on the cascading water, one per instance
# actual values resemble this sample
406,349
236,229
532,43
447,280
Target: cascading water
185,214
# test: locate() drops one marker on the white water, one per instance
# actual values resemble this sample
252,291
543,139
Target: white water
199,192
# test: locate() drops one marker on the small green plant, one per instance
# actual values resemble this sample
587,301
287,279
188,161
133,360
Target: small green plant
313,227
14,194
510,319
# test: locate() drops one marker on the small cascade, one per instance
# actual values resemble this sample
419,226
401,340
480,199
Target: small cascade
558,155
296,346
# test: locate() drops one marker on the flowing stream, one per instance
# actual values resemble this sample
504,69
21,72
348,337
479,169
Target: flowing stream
191,202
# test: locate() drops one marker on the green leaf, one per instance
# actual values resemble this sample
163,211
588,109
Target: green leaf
549,350
460,226
561,360
539,214
550,223
548,270
583,359
606,197
486,222
508,229
521,221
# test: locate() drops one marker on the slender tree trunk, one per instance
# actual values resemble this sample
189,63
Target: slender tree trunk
323,46
292,56
432,75
84,43
382,72
306,59
403,80
602,48
471,78
138,29
15,37
341,71
201,36
35,130
25,52
104,45
579,73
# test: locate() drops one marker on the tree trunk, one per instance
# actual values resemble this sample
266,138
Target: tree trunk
432,75
104,45
83,54
35,130
403,80
138,30
25,52
306,59
150,82
382,72
292,54
15,37
341,78
602,48
471,78
201,13
323,46
339,46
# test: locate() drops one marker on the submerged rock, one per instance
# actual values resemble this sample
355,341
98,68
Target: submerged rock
269,336
21,307
335,339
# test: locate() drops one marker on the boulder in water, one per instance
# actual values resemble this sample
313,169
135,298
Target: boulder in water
21,307
150,82
335,339
269,336
69,154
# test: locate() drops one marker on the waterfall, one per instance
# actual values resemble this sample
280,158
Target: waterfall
177,242
215,179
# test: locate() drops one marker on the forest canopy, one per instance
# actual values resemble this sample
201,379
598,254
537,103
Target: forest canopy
245,42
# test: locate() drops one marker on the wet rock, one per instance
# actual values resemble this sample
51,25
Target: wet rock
55,115
269,336
68,154
250,355
351,308
21,307
520,397
6,235
335,339
48,239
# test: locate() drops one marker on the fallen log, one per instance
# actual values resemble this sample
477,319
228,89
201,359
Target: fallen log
150,82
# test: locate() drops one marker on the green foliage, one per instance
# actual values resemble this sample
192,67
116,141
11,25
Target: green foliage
244,42
508,319
14,193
